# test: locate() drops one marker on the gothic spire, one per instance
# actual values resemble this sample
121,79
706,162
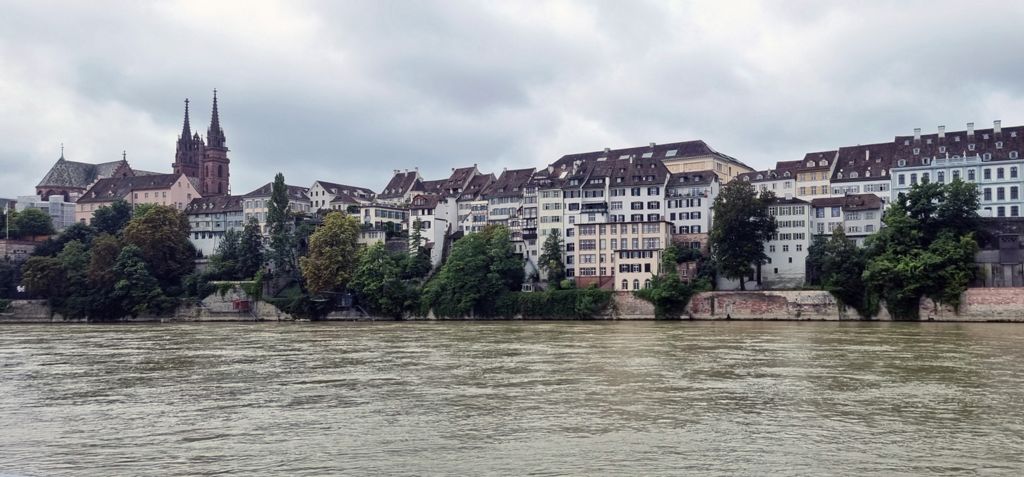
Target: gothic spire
186,130
215,135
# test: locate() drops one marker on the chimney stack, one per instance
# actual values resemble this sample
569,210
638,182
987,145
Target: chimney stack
917,134
652,145
970,130
997,126
942,132
607,150
867,154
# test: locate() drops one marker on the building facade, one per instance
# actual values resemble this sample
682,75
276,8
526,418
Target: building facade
172,190
210,218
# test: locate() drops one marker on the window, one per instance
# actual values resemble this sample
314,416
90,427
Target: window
636,284
956,175
836,211
970,175
1014,211
913,179
986,173
999,173
625,284
634,191
1000,194
901,179
940,177
1014,194
1001,211
988,193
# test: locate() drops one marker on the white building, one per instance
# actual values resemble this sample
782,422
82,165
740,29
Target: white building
401,188
61,213
858,215
989,157
863,170
210,218
254,204
323,193
787,250
688,200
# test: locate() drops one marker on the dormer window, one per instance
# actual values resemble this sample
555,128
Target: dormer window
853,175
956,138
867,173
759,177
984,136
647,155
1013,154
883,172
928,141
810,163
906,142
903,162
822,163
917,151
671,152
925,160
986,156
1013,134
942,149
999,144
746,178
839,175
785,174
970,147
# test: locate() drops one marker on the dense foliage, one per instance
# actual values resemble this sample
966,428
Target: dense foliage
573,303
837,265
387,283
551,261
741,227
280,225
111,219
481,269
668,293
332,254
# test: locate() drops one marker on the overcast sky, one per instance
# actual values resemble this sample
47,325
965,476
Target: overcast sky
349,91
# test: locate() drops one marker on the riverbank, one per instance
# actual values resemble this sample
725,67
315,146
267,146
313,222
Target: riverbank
979,305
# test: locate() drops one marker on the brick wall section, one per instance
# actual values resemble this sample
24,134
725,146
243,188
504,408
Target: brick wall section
767,305
979,304
629,307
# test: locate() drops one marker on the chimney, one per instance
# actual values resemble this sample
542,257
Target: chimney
396,171
607,150
652,145
997,126
867,154
917,134
942,132
970,130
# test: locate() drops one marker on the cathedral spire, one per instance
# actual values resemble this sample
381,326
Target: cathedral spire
215,135
186,130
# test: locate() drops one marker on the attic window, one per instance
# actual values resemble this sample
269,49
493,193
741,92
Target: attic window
883,172
928,141
746,178
906,142
853,175
672,152
759,177
902,162
647,155
925,160
839,175
917,151
1013,154
867,173
970,147
986,156
942,149
984,136
999,144
624,156
822,162
956,138
785,174
1013,134
810,163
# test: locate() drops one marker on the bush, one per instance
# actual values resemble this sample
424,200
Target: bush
4,304
573,303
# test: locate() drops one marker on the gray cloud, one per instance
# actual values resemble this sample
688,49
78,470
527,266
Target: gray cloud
348,91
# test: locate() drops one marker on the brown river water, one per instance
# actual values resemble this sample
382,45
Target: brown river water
512,398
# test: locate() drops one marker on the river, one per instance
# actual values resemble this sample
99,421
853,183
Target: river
512,398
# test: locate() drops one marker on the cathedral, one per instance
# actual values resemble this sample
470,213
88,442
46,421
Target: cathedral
205,163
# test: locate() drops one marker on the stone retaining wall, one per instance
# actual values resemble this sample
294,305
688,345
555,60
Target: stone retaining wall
979,304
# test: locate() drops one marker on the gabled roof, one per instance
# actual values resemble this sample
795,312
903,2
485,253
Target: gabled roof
637,172
429,201
863,163
477,186
664,152
813,161
65,173
399,185
294,192
693,178
852,202
215,204
342,189
458,179
510,183
111,189
958,143
430,187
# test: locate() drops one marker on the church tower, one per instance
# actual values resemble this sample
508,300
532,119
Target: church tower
215,171
189,153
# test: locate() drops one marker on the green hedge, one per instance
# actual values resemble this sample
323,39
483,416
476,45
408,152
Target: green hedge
4,304
574,303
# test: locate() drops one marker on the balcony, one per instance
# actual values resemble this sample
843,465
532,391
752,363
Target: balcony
595,207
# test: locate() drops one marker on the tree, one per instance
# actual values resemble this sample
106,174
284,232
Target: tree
926,248
250,250
112,218
741,227
137,290
45,277
161,236
839,267
332,254
224,263
551,257
33,222
8,279
481,269
378,282
668,293
280,224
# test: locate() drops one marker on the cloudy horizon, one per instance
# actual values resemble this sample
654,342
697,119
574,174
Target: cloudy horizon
348,92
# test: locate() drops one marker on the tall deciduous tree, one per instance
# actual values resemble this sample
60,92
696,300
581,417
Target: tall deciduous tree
137,290
379,284
551,257
741,227
112,218
481,269
250,250
225,261
280,225
161,236
332,254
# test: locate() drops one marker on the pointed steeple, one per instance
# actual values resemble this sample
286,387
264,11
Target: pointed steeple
186,130
215,135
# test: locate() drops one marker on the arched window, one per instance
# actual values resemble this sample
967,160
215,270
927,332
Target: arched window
822,163
625,284
220,170
636,284
647,283
853,175
810,163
